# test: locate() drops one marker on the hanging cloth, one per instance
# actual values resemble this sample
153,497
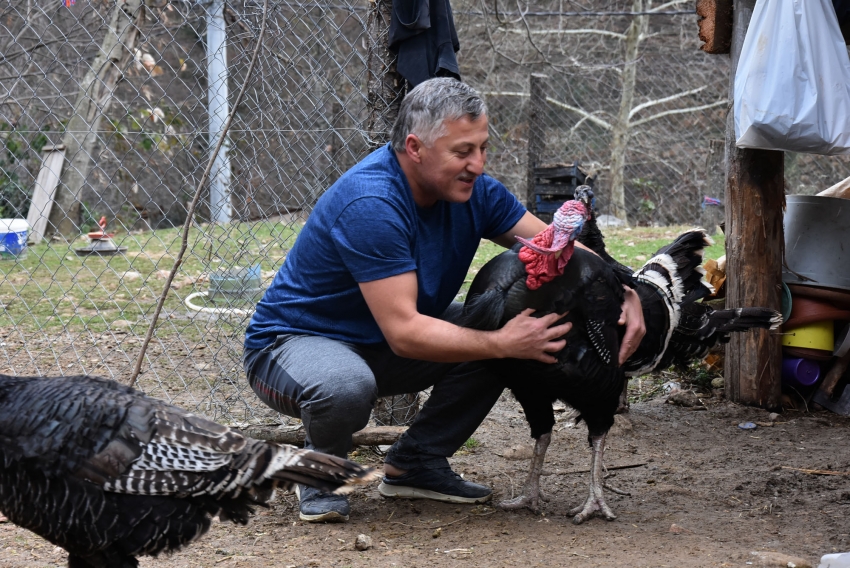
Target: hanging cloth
422,33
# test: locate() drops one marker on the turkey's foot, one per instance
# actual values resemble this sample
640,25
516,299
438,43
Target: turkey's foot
531,494
623,405
595,503
530,502
592,506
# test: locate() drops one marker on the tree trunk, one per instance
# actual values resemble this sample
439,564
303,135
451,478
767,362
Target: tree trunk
92,103
755,200
385,86
621,134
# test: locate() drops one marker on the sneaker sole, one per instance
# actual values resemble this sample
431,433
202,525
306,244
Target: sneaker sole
329,517
402,492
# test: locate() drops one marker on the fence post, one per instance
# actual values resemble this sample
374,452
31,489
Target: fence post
715,175
754,241
536,141
385,86
217,111
96,91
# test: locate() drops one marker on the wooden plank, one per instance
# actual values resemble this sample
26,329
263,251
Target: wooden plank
755,199
44,191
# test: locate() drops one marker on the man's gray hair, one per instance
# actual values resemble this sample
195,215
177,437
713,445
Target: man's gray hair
425,109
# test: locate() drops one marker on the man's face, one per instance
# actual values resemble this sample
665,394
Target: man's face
448,169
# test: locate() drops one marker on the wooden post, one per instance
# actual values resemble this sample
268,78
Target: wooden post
385,86
755,200
536,142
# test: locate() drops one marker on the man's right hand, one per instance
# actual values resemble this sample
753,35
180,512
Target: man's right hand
528,337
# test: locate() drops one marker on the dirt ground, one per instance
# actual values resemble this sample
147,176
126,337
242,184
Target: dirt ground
704,492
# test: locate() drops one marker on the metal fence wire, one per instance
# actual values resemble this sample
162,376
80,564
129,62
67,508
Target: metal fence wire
110,110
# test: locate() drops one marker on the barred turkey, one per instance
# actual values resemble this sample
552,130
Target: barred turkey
110,474
550,275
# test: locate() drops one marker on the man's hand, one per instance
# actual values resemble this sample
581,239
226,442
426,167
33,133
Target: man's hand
632,317
528,337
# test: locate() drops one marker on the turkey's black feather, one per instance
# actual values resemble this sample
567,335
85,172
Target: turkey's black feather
587,375
109,474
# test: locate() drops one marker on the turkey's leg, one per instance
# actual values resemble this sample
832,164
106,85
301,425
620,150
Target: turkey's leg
596,502
531,490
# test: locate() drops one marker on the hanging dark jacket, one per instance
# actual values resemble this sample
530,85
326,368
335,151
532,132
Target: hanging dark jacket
422,33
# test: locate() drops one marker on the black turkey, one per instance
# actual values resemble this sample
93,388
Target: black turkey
587,375
110,474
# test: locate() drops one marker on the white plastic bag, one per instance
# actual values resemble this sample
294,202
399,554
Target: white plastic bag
792,86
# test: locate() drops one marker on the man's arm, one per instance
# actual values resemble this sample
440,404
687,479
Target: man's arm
392,302
632,313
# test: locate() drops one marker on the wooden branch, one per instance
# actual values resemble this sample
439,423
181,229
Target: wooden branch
375,436
816,471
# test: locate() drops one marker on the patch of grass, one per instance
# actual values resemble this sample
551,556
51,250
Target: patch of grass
54,289
471,444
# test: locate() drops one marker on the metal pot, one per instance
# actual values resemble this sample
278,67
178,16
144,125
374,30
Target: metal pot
817,241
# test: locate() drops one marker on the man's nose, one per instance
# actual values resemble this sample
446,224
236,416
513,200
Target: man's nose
476,162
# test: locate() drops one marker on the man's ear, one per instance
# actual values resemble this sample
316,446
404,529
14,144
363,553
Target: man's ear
413,147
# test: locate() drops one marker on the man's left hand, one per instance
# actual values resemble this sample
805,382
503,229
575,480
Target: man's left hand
631,317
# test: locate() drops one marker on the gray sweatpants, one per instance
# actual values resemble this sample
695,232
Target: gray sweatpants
332,386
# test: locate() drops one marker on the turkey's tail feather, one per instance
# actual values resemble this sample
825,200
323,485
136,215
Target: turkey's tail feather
741,319
686,253
328,473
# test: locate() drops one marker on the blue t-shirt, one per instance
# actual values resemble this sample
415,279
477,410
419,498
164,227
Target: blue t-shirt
367,227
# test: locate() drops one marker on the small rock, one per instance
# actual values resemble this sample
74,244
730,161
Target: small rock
640,257
437,532
773,416
678,529
621,426
779,560
314,562
718,383
363,542
131,275
684,398
518,453
122,323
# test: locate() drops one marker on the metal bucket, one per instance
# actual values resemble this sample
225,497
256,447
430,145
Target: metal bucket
817,241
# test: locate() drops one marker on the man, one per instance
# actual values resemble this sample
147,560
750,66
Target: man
359,309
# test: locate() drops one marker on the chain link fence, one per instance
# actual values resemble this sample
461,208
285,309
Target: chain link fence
117,106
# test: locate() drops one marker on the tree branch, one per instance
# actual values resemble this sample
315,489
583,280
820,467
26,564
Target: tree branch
677,111
584,114
648,104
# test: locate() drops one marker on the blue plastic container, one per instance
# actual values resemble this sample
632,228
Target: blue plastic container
13,238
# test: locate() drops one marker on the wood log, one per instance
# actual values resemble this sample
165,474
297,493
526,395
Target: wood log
755,199
840,189
833,376
375,436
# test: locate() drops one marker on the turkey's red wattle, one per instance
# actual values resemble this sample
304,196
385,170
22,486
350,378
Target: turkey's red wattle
543,268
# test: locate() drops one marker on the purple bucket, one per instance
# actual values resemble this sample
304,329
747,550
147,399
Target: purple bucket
800,372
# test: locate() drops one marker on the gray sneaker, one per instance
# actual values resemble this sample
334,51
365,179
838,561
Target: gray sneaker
318,507
440,484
